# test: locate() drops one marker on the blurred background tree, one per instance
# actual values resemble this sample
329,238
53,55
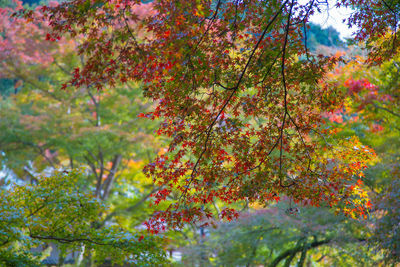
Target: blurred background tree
281,236
44,129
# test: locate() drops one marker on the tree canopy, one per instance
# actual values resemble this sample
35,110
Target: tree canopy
238,90
229,105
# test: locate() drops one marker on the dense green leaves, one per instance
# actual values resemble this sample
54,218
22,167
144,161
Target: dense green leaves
282,235
57,210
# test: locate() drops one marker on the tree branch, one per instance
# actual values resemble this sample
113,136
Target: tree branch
297,249
111,176
386,109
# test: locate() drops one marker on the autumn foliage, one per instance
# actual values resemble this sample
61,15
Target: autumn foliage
239,95
179,115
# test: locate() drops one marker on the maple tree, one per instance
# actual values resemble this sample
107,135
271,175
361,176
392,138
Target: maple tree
238,93
253,115
271,236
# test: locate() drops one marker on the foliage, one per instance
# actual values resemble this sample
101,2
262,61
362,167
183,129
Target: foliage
371,111
44,129
252,116
277,235
387,233
58,210
237,91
